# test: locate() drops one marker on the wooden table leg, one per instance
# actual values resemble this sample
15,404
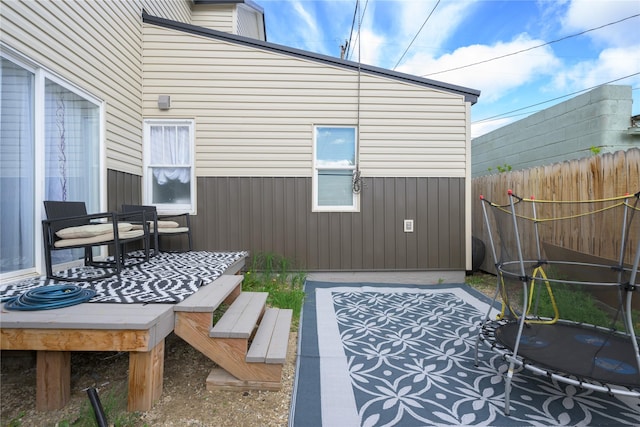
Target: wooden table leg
146,372
53,379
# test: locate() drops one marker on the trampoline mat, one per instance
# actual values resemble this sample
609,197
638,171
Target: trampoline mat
579,350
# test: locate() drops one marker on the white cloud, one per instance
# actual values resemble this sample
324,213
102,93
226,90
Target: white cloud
444,21
372,47
334,163
389,26
619,43
587,14
611,64
480,128
494,78
309,23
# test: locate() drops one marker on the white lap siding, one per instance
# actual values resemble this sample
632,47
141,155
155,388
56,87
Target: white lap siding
255,110
97,46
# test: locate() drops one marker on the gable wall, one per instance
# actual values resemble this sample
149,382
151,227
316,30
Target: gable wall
97,46
255,110
214,16
250,22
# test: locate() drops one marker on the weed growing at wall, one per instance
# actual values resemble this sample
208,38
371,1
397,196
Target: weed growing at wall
274,274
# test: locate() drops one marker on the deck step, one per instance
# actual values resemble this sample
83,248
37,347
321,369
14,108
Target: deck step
221,380
271,341
241,317
209,297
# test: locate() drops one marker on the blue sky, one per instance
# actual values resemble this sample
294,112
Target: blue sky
462,32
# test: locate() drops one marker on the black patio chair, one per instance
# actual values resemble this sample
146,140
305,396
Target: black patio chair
163,225
69,226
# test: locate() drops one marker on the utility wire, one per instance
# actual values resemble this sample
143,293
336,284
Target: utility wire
353,22
361,17
553,99
533,47
416,36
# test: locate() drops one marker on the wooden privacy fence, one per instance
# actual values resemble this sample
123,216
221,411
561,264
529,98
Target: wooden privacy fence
599,177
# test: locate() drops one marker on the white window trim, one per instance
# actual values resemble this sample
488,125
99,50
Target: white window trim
148,182
355,207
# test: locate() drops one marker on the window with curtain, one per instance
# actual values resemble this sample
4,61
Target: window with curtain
169,172
63,164
334,167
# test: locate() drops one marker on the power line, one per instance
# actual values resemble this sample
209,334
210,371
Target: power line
533,47
553,99
416,36
359,24
353,22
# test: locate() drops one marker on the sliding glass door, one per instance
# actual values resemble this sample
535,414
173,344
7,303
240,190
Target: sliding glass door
51,152
17,168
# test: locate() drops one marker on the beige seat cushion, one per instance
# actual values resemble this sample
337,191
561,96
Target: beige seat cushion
172,230
91,230
105,237
168,224
161,225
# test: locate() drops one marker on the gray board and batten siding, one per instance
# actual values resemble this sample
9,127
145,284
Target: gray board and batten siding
273,215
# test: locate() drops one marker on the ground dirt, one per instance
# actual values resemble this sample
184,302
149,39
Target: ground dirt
185,400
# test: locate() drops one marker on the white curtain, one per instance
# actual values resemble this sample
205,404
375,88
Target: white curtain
17,168
72,150
72,147
170,147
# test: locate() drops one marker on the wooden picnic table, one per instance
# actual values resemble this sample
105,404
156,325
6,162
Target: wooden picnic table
139,329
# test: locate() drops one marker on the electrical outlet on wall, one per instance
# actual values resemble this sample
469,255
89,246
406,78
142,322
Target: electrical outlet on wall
408,226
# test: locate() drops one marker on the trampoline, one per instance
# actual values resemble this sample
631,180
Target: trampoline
586,351
531,332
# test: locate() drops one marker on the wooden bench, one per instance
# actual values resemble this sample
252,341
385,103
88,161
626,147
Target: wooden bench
136,328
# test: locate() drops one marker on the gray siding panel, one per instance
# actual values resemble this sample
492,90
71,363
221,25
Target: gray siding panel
273,215
122,188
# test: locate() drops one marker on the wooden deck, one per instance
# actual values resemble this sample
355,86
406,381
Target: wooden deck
139,329
135,328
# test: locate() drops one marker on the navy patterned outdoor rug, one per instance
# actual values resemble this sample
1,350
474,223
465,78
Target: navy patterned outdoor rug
165,278
403,355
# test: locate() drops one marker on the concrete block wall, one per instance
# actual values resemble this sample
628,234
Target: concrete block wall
599,118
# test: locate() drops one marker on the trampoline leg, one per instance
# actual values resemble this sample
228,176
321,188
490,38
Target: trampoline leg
507,389
475,363
477,347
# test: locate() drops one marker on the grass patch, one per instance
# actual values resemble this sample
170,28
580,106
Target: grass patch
573,303
114,405
219,312
482,282
273,273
